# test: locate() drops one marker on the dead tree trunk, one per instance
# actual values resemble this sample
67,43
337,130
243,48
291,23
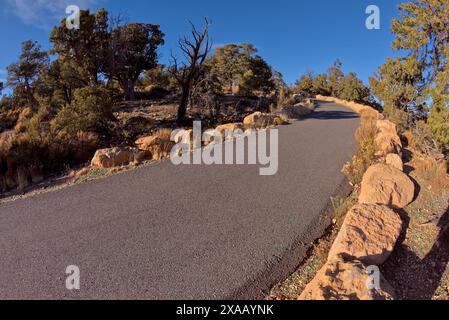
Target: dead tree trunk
195,51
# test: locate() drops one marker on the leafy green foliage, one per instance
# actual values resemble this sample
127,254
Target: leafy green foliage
258,78
90,111
132,49
439,124
238,66
25,74
285,98
397,84
423,75
334,83
334,78
352,88
158,77
230,62
320,85
86,48
306,84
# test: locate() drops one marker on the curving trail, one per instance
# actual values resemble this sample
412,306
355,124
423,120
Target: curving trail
180,232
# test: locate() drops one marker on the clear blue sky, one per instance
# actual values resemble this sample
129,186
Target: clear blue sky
292,35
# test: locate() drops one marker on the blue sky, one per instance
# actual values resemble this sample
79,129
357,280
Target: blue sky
292,35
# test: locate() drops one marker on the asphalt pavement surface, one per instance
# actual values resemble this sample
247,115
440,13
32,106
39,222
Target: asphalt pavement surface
180,232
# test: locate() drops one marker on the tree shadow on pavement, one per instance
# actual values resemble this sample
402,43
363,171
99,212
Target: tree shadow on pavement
412,277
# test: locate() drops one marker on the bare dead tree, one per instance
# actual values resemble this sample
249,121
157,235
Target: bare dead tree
195,50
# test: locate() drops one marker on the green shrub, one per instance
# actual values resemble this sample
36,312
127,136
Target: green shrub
90,111
285,98
439,125
401,118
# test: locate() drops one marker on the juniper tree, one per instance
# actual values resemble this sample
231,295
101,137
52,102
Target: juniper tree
422,31
86,47
132,49
25,74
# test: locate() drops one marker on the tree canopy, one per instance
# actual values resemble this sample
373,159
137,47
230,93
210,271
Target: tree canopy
422,74
237,66
25,74
132,49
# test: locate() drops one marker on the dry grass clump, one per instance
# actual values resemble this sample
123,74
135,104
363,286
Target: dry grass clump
28,156
366,150
433,172
369,115
419,139
163,134
341,206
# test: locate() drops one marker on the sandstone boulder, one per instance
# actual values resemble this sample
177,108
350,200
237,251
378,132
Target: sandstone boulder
386,185
253,118
261,120
395,161
208,137
295,112
341,280
387,142
369,234
146,143
225,129
159,148
185,137
114,157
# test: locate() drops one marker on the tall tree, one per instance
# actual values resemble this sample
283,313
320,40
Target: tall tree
25,74
396,83
87,46
133,49
230,62
64,77
195,50
422,32
258,78
351,88
305,84
334,76
320,85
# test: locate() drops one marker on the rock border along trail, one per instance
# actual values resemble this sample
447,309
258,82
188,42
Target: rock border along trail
371,228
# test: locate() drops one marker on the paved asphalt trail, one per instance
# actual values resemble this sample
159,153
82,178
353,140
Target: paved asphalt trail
185,232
